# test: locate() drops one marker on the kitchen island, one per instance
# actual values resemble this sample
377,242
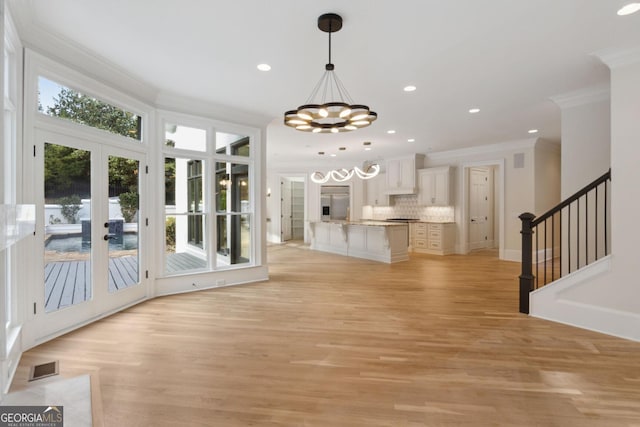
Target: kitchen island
375,240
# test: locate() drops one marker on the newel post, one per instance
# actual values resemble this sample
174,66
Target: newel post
526,276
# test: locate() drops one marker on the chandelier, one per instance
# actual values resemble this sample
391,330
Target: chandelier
342,175
340,114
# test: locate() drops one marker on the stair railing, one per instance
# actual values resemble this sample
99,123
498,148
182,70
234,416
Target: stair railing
566,238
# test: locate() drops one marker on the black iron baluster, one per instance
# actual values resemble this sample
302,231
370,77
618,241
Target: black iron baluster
569,241
596,228
553,247
545,252
586,229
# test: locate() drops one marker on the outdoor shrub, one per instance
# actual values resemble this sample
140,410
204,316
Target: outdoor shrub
129,205
170,227
71,205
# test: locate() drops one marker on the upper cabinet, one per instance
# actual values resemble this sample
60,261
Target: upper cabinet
376,194
435,186
401,174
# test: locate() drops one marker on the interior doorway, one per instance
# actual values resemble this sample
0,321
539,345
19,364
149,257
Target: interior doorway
291,209
483,203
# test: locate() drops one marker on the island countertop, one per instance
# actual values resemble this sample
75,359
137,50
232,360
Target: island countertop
375,240
367,222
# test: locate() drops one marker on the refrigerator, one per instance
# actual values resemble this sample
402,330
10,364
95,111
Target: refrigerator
334,205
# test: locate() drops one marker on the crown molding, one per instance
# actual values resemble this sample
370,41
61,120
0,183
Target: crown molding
484,149
615,58
73,55
197,107
588,95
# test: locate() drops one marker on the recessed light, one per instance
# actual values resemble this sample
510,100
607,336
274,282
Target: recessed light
367,148
366,143
474,110
411,140
391,131
333,155
533,131
410,88
264,67
321,153
628,9
342,148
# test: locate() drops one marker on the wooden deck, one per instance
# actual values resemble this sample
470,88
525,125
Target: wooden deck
69,282
183,261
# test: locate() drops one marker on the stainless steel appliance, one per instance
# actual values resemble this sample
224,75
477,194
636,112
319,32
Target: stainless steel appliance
334,202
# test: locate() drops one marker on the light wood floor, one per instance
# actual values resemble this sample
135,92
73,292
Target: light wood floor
335,341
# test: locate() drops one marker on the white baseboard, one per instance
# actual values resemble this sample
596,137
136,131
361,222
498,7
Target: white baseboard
549,303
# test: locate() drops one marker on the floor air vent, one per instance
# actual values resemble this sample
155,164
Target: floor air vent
43,370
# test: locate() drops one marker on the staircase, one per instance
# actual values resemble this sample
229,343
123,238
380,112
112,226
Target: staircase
565,239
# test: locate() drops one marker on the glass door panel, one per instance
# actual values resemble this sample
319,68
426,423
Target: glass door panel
67,216
122,227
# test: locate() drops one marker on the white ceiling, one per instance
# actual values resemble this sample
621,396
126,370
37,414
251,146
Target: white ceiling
506,57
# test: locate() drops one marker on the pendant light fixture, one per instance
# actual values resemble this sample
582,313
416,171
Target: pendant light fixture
340,113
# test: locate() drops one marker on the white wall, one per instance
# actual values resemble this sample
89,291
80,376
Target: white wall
586,135
519,186
547,177
609,300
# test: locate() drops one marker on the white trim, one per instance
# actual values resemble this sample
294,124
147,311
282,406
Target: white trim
514,255
498,148
584,96
548,303
616,58
464,214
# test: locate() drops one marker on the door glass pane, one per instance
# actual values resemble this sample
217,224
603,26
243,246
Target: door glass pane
67,218
122,228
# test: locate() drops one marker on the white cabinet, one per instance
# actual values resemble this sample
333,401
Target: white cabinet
401,174
376,194
434,186
433,238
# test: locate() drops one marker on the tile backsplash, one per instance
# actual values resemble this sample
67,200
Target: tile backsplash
406,206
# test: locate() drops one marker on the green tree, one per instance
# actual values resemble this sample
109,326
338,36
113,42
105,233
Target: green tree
80,108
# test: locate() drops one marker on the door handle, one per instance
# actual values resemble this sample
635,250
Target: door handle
109,236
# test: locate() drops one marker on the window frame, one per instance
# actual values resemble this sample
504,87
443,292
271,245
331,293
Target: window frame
210,158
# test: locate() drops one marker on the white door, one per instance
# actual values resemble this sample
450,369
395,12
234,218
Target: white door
480,212
88,230
285,210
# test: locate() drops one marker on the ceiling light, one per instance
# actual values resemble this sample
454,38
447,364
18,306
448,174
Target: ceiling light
367,148
333,155
391,131
409,88
411,140
264,67
338,115
341,175
628,9
474,110
533,131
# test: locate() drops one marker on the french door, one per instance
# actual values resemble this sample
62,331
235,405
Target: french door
90,258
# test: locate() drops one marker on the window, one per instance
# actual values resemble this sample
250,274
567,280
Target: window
60,101
185,215
185,138
208,212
